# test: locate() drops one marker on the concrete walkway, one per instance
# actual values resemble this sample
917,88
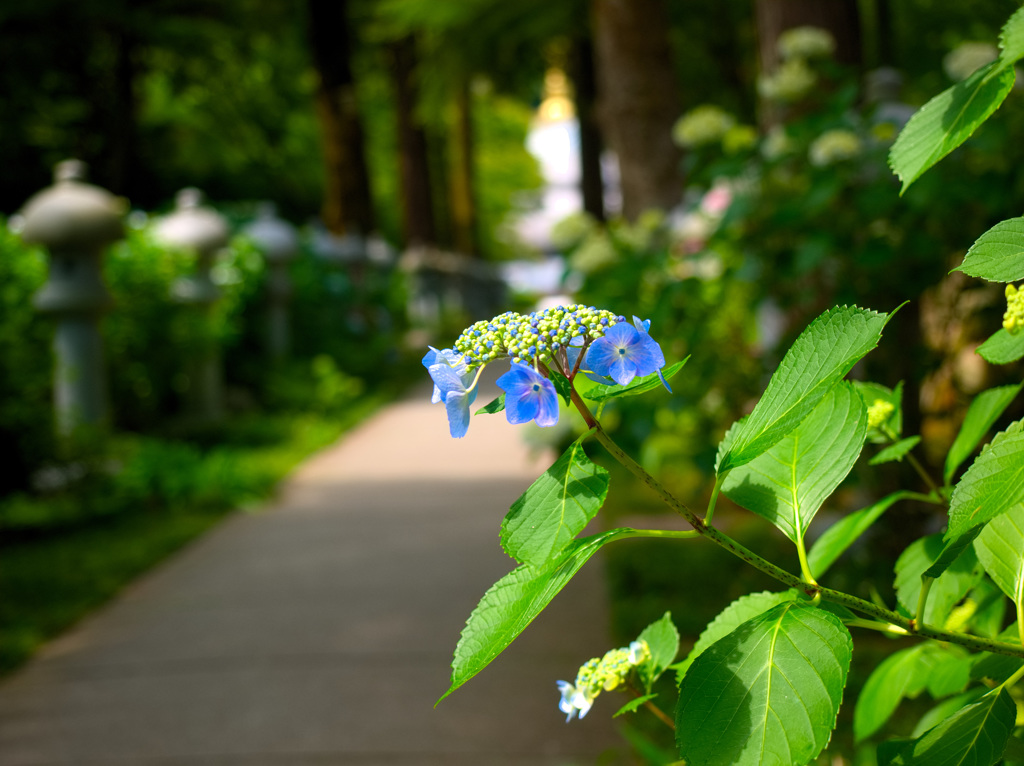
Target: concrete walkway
321,629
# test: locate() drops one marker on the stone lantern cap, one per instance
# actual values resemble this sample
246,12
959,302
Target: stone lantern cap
276,238
193,226
73,214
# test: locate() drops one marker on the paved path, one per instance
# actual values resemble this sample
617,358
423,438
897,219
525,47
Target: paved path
320,630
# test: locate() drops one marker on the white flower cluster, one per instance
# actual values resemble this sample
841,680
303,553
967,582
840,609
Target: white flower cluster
702,125
805,43
834,146
788,83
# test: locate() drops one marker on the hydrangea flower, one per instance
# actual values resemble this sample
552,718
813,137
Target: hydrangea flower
834,146
529,396
444,356
806,43
454,385
600,674
539,345
793,80
625,352
702,125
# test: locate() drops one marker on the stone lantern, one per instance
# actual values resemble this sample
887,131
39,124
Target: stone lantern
279,243
202,231
75,221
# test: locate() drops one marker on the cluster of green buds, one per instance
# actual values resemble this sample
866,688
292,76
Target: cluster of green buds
531,338
1013,319
879,412
600,674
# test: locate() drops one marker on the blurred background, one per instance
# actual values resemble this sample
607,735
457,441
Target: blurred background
718,166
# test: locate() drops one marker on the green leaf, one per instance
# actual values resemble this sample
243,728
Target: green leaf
945,122
1011,39
1000,548
556,507
663,640
895,678
634,704
825,351
951,586
998,254
871,393
495,405
637,386
945,709
992,485
841,535
767,693
788,483
738,612
998,667
950,553
562,385
975,735
1002,347
513,602
981,416
896,451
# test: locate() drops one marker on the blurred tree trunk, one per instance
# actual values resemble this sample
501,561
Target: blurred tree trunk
639,100
581,71
347,204
463,200
414,165
840,17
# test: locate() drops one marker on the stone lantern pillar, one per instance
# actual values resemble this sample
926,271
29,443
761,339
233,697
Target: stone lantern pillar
75,221
202,231
279,243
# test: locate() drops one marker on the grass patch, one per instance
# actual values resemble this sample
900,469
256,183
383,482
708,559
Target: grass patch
67,552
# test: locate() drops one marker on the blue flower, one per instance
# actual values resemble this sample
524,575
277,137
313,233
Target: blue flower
454,385
529,396
446,356
625,352
573,700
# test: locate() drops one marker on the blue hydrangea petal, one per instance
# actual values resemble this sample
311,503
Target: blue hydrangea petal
528,396
457,404
611,355
448,357
445,380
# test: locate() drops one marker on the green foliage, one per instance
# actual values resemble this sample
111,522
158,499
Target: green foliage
663,640
820,357
841,535
948,120
513,602
738,612
896,451
788,483
1000,548
991,486
998,254
26,420
1002,347
981,415
949,587
556,508
601,393
905,674
768,692
976,734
